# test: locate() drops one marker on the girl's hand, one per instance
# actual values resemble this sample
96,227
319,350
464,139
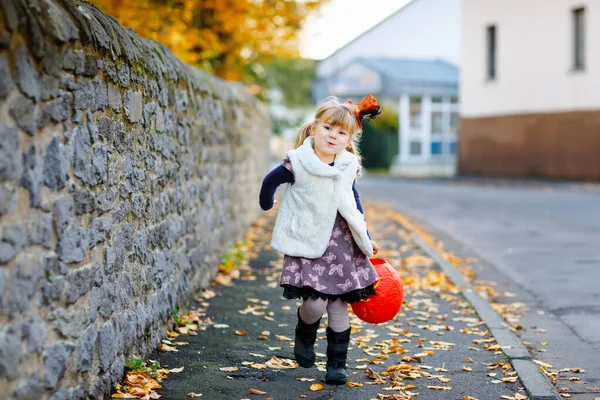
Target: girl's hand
375,247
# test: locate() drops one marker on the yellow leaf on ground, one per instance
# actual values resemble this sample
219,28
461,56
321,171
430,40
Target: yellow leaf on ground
469,369
315,387
305,379
440,387
166,347
123,396
470,398
354,384
229,369
176,370
256,391
192,394
283,338
519,396
140,392
542,364
241,332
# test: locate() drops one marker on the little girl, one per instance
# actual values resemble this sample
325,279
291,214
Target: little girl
321,231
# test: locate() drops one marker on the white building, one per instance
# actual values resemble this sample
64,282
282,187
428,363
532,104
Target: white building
409,61
530,88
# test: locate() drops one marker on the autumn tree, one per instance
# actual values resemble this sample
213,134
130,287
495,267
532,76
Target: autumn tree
221,36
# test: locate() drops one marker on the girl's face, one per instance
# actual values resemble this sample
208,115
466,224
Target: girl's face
329,140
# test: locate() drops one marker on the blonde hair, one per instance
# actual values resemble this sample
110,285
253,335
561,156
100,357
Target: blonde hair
332,111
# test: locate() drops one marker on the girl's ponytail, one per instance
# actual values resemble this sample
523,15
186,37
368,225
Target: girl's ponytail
303,133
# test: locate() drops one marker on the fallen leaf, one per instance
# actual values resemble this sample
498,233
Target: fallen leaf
176,370
440,387
241,332
469,369
166,347
315,387
354,384
542,364
140,392
470,398
192,394
283,338
123,396
229,369
256,391
281,363
519,396
305,379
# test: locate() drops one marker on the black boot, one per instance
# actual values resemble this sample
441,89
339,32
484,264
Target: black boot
304,342
337,352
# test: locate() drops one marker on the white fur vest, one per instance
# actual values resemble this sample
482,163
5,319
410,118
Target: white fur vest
309,206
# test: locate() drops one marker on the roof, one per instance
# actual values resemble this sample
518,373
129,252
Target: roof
413,70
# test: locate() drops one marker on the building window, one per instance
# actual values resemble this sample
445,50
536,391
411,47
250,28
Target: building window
453,147
454,122
416,115
578,38
491,52
415,148
436,122
436,148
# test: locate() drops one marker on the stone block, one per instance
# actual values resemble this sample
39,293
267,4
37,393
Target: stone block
31,178
73,246
85,349
6,82
34,332
79,282
56,165
114,98
27,77
106,346
25,113
32,388
55,363
85,202
10,352
10,168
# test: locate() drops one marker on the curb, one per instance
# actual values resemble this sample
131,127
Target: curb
537,385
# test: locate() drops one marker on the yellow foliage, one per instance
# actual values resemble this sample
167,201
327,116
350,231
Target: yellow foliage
221,36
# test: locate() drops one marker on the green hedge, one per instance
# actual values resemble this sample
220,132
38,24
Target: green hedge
379,144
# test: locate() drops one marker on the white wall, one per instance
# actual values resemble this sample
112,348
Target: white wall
427,29
534,58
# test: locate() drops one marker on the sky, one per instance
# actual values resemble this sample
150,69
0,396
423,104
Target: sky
340,21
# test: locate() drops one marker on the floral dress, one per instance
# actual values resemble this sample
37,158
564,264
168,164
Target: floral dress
343,271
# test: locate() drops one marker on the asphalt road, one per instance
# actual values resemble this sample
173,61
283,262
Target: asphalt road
540,240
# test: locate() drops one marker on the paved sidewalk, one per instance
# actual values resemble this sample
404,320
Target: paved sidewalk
436,348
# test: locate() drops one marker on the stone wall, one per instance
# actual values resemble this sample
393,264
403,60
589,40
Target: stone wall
124,176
